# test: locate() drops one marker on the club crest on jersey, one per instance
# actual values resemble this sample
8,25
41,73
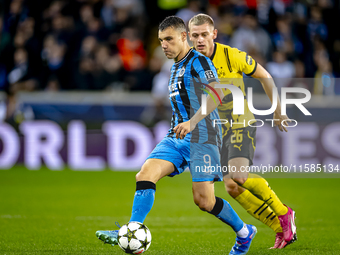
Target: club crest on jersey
181,72
209,75
220,72
249,59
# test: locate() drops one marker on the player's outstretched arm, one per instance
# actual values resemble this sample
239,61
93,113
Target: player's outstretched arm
268,84
186,127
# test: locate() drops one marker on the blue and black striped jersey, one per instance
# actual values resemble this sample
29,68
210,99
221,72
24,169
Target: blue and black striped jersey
187,83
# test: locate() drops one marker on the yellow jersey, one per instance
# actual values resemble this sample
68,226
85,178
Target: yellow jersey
230,64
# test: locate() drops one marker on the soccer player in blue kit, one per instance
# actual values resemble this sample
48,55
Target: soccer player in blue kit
191,140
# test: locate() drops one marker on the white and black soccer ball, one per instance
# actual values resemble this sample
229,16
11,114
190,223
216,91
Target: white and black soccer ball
134,238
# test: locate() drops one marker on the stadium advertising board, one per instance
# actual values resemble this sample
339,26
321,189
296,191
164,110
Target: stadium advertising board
124,145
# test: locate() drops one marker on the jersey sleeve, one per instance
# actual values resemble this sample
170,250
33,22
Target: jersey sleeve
243,62
205,69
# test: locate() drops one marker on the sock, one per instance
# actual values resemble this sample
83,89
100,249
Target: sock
223,211
143,200
244,232
259,210
260,188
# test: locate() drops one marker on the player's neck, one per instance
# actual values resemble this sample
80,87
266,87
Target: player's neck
183,53
211,50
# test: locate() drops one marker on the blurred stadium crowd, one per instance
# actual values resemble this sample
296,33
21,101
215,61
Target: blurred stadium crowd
113,45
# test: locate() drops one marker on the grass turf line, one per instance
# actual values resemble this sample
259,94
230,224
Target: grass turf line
58,212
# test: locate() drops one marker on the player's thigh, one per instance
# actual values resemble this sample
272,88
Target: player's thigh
165,159
240,170
155,169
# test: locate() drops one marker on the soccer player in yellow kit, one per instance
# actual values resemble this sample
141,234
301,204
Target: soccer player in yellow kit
251,191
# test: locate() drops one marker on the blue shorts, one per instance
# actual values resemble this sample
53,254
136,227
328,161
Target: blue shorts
203,160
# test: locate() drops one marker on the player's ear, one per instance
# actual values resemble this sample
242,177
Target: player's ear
215,33
184,36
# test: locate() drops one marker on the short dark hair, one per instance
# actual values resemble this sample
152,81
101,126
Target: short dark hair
174,22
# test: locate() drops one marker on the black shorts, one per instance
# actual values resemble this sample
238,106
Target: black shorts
238,143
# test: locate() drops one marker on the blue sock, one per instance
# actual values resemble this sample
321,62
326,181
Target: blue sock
143,201
223,211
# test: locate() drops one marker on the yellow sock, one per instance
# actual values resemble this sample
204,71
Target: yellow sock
259,210
260,188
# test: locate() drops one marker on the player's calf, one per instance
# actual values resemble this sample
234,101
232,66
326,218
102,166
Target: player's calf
203,193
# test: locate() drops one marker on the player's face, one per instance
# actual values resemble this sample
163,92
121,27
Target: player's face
172,42
202,37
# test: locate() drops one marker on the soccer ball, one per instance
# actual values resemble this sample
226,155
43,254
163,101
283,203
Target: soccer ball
134,238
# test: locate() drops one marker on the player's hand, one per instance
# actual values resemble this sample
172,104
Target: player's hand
183,129
281,119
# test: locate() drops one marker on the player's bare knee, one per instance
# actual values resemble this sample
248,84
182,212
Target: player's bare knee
232,189
240,180
138,177
198,200
204,206
203,203
144,174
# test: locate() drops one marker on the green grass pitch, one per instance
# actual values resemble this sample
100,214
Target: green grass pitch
58,212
